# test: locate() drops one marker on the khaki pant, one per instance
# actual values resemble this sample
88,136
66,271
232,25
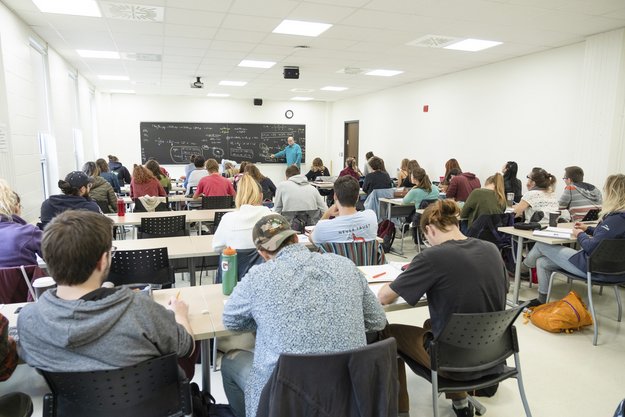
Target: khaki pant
411,341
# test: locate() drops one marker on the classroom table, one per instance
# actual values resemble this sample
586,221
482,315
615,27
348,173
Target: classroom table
528,235
177,198
395,207
175,189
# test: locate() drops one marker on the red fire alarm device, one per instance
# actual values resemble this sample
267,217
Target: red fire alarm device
426,108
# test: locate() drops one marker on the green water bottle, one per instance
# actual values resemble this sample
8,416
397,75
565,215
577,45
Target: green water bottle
229,270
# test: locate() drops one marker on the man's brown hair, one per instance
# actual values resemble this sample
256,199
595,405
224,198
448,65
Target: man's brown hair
292,170
73,243
212,165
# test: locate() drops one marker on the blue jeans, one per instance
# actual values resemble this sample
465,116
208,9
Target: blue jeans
548,258
235,369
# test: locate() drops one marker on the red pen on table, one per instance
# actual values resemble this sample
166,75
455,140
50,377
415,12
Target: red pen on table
378,275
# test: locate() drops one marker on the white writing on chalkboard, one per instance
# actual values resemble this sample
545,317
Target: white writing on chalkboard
176,142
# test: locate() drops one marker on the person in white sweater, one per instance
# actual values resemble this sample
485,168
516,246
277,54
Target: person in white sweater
297,194
235,228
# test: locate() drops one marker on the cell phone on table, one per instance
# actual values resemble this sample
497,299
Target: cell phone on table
17,310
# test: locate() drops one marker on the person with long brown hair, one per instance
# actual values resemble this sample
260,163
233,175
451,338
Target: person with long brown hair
540,198
317,169
378,178
101,191
488,200
144,183
548,258
444,272
351,168
269,188
423,188
403,172
156,170
105,173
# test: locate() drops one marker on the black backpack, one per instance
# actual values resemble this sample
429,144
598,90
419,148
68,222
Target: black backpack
386,232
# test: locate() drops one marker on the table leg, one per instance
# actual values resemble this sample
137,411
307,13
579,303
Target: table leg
517,272
191,267
206,366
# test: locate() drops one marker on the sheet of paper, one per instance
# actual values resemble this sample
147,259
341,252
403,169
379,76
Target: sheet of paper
302,238
380,273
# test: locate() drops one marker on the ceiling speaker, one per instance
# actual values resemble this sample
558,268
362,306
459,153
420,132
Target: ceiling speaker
258,101
291,73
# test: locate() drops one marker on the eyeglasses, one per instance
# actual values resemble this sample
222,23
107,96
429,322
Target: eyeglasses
528,177
113,250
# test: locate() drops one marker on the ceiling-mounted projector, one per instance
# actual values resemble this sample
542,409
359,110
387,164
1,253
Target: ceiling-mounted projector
197,83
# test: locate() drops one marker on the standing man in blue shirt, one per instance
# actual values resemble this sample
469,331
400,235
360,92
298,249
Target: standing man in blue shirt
292,152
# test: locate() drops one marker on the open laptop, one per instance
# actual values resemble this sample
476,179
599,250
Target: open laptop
591,216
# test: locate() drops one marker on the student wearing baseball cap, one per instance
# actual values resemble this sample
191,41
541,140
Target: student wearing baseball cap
75,196
298,301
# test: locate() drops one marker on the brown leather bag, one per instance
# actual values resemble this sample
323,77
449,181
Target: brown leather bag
564,315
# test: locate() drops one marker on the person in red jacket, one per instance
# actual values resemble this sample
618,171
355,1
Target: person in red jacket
145,183
461,184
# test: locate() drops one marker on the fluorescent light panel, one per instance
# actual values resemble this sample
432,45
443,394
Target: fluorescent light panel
331,88
233,83
256,64
472,45
384,73
302,98
114,77
301,28
71,7
217,95
86,53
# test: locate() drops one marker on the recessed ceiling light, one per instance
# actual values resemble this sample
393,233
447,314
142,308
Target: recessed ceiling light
256,64
73,7
114,77
86,53
302,90
331,88
233,83
384,73
302,98
217,95
472,45
301,28
122,91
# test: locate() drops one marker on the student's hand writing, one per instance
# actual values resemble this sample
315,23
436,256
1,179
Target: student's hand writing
178,306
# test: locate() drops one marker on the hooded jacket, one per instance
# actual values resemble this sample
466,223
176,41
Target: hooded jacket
123,175
121,329
102,191
235,227
296,194
461,185
59,203
21,242
612,226
579,198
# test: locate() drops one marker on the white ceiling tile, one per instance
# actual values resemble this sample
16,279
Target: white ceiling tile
239,35
186,42
118,26
250,23
320,13
184,31
170,50
193,17
205,5
274,8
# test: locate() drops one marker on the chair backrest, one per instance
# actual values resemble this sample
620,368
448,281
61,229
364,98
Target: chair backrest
13,285
150,266
246,258
104,206
607,258
300,219
217,202
167,226
140,207
151,388
217,218
360,253
363,379
485,228
475,342
425,203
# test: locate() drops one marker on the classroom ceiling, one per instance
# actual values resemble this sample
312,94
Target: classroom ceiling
165,44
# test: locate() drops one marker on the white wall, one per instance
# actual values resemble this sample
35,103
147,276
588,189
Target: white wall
524,109
120,115
20,114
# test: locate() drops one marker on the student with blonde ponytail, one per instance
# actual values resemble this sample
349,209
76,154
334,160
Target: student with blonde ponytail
488,200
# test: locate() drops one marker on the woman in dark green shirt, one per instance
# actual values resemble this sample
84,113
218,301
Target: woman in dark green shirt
488,200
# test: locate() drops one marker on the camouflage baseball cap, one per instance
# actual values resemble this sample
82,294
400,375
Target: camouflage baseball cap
270,231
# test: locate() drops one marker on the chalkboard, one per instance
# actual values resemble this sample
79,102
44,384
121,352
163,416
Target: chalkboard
175,142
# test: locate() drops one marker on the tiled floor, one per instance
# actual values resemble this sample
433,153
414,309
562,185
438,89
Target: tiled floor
564,374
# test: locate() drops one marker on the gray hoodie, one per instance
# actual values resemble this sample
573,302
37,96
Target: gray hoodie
296,194
578,198
121,329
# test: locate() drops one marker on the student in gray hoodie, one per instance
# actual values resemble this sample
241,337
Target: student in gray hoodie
297,194
80,326
579,197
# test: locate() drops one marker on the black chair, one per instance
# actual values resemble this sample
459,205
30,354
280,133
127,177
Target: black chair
417,233
217,202
301,219
140,207
246,258
152,389
167,226
473,343
150,266
605,267
485,227
216,220
104,206
364,382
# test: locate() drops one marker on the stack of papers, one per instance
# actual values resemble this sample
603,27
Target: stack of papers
381,273
557,232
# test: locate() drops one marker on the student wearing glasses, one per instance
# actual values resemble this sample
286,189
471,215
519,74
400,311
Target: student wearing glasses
578,197
539,199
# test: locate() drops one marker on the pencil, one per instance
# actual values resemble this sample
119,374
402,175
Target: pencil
178,295
379,275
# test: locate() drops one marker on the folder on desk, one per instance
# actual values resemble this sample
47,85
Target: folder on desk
557,232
